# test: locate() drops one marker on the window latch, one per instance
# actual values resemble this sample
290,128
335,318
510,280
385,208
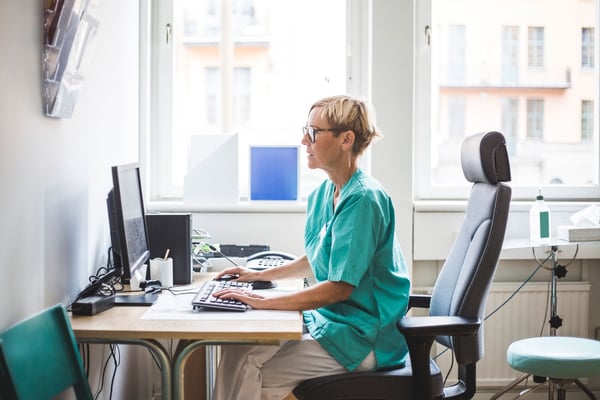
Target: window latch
168,32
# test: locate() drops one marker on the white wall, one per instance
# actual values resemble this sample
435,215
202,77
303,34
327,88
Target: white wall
55,174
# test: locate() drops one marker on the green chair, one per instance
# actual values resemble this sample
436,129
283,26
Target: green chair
39,358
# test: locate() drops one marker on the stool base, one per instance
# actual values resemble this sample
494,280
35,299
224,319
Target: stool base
558,385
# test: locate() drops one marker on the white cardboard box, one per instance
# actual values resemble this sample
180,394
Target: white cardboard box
574,233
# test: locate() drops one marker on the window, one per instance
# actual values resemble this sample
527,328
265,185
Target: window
587,120
535,50
510,54
246,68
587,47
510,123
522,76
535,119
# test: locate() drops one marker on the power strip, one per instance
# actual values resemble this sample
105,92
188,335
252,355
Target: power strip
92,305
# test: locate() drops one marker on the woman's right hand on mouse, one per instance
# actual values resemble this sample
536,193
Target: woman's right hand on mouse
242,274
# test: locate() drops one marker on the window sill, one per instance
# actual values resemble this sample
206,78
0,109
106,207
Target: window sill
254,207
515,206
437,223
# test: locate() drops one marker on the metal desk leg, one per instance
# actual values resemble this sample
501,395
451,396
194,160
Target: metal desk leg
211,364
181,357
159,352
183,353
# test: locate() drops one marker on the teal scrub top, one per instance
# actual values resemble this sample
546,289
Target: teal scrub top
356,243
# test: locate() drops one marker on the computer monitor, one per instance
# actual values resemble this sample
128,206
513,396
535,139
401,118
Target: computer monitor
127,219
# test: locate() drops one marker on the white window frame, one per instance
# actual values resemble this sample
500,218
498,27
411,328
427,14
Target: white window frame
424,190
156,93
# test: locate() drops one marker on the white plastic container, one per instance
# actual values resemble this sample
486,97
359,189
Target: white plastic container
540,221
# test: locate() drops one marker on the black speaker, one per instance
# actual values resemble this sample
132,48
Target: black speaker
172,231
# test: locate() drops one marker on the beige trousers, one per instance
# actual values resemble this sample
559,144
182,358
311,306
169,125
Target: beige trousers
271,372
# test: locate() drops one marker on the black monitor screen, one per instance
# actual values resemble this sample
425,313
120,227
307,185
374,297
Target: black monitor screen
127,218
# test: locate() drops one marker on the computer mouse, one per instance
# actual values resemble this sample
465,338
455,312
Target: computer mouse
151,282
226,278
259,285
152,289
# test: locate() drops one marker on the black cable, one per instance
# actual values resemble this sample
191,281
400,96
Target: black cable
213,248
155,360
540,265
449,368
116,356
87,359
182,291
109,263
101,383
552,272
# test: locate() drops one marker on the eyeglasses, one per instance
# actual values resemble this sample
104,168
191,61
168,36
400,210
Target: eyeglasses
312,132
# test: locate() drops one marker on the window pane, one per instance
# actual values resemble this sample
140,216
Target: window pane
522,75
536,47
510,54
250,67
587,47
587,120
535,119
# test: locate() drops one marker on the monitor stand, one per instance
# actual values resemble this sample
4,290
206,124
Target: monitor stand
145,299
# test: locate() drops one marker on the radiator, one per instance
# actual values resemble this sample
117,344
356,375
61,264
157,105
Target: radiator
525,315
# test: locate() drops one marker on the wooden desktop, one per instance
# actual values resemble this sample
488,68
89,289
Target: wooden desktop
126,325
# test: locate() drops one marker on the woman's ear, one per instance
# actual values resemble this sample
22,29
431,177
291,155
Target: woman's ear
348,138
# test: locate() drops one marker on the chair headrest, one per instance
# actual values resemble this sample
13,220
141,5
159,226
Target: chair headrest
484,158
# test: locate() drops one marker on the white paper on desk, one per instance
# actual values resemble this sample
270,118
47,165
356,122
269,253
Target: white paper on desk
171,307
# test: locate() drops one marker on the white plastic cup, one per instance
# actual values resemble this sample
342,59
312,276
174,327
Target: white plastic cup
162,270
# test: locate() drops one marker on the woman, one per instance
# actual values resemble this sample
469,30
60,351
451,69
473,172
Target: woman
362,284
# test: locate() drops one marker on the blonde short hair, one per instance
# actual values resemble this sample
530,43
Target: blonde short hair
345,113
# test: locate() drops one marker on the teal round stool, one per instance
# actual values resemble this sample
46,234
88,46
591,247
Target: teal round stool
561,359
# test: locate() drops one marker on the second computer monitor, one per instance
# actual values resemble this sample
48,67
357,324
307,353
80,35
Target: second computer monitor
127,218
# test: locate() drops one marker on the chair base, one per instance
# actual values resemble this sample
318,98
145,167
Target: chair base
554,385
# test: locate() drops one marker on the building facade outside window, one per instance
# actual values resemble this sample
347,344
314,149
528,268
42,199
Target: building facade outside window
529,73
524,67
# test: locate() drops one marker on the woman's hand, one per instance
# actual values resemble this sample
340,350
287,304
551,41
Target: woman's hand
246,296
240,274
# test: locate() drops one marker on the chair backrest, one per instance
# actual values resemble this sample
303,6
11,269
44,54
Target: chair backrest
462,286
39,358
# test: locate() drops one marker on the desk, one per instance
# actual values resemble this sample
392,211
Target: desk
125,325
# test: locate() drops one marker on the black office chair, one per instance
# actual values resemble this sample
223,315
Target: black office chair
457,303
